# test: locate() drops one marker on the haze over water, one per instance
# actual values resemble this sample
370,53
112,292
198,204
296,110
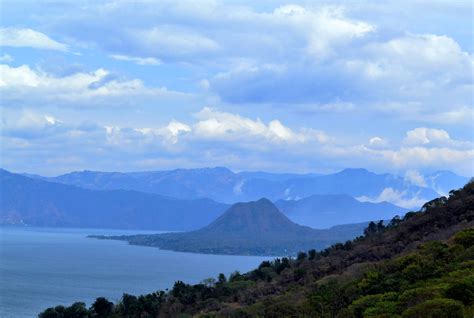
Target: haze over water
44,267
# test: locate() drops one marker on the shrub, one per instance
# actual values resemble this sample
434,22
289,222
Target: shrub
465,238
462,291
436,308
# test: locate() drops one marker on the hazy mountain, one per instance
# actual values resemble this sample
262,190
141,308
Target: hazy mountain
324,211
223,185
444,181
216,183
250,228
356,183
274,176
40,203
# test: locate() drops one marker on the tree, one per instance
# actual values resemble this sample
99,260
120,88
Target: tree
77,310
462,291
209,282
301,256
371,229
221,279
380,226
53,312
235,276
102,307
436,308
183,292
395,221
129,304
465,238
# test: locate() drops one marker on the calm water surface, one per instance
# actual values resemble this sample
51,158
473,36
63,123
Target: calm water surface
43,267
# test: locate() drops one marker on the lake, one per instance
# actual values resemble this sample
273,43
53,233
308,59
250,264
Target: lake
44,267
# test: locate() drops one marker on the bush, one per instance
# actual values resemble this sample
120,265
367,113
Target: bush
436,308
462,291
102,307
465,238
415,296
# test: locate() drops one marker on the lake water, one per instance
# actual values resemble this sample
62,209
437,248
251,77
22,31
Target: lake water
44,267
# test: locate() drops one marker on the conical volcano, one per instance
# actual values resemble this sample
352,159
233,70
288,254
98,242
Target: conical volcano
249,228
256,219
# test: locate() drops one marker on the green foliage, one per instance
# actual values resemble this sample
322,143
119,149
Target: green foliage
76,310
465,238
375,305
102,307
436,308
462,291
221,279
415,296
301,256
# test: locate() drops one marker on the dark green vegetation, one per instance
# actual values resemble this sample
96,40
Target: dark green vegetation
418,266
251,228
36,202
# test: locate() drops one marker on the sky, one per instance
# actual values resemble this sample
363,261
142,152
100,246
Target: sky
280,86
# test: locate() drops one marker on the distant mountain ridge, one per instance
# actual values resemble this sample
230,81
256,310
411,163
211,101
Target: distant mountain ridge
39,202
223,185
324,211
248,228
36,202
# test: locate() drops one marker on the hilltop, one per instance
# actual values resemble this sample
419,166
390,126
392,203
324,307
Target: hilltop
249,228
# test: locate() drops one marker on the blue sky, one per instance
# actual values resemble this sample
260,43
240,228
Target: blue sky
284,86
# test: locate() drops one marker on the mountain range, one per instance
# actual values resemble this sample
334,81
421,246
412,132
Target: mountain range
250,228
223,185
323,211
29,201
39,202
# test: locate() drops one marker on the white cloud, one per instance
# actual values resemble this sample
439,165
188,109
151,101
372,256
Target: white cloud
223,125
98,87
18,37
169,133
324,28
377,141
430,137
233,138
137,60
238,187
424,136
425,67
437,157
167,41
229,131
423,52
457,115
399,198
415,178
29,120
